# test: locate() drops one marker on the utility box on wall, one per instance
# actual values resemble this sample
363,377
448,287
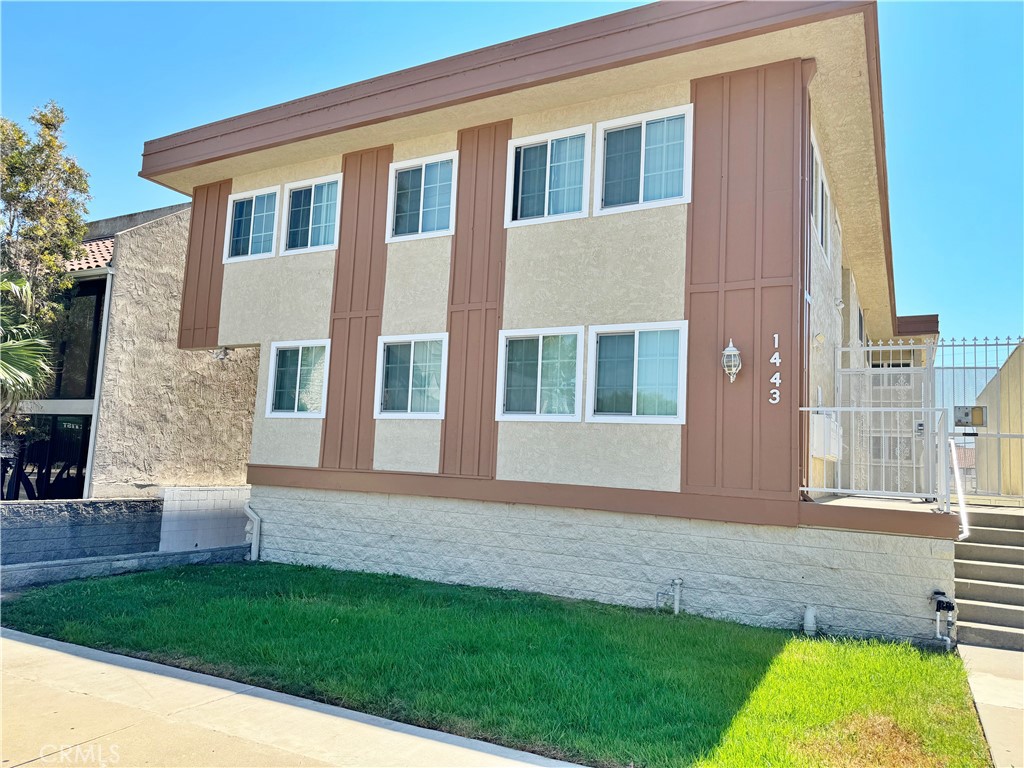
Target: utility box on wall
970,416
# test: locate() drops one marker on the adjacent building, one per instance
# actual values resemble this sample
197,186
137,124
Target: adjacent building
130,414
490,297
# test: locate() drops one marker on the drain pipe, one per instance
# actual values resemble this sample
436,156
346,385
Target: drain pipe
254,548
677,585
944,603
810,621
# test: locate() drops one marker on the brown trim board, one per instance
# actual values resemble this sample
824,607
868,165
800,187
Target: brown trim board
685,505
917,325
356,307
203,283
627,37
743,282
469,433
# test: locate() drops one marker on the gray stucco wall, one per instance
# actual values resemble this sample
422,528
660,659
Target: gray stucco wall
167,417
39,531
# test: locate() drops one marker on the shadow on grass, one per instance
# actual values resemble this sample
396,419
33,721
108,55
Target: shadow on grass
605,685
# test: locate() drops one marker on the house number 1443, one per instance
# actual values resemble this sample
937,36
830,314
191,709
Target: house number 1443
775,392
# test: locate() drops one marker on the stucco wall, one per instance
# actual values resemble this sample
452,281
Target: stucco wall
293,442
861,583
285,298
167,417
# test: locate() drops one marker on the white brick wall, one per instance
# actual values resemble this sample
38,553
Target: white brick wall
200,518
861,583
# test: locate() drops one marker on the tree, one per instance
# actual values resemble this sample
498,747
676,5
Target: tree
25,367
44,193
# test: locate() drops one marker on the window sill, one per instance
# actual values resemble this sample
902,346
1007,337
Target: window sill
257,257
293,415
546,219
401,415
567,418
419,236
602,419
641,206
316,249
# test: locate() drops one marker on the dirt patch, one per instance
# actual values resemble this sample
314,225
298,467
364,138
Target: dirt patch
871,741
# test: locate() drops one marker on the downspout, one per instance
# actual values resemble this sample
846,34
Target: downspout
254,547
100,357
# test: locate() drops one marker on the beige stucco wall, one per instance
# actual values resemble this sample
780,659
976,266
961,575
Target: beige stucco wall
621,268
284,174
285,298
415,301
167,417
291,442
860,583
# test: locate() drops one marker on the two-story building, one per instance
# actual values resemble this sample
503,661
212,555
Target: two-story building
491,297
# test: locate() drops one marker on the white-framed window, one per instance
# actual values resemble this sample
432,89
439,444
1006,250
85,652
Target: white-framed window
412,372
644,161
540,374
548,177
251,220
312,215
421,197
297,385
821,203
636,373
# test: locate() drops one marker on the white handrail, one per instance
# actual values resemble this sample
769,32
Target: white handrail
965,529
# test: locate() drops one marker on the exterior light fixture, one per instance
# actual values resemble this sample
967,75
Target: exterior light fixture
731,362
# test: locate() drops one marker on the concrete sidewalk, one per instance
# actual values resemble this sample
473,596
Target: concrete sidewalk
72,706
996,678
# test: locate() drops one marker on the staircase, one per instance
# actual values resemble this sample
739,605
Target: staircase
989,571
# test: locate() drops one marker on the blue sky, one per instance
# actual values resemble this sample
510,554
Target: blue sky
952,83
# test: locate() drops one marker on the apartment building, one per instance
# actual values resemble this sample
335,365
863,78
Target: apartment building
544,315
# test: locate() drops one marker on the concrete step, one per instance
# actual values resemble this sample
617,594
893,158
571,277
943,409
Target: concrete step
1004,573
995,614
989,553
971,633
996,518
1006,537
990,591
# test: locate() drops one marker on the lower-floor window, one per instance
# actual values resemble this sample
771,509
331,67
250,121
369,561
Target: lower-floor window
411,374
47,459
539,374
637,373
298,379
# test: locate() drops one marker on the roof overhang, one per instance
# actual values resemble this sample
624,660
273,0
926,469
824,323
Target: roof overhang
548,68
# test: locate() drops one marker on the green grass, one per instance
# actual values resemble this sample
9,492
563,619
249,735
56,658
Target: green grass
599,684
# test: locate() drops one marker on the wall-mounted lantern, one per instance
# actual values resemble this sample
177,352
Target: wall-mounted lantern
731,362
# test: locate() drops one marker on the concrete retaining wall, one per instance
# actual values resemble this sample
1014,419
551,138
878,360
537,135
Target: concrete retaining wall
35,574
34,531
863,584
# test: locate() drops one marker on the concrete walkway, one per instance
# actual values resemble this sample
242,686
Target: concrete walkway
996,678
64,705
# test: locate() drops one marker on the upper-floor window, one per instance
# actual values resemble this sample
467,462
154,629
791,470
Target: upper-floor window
411,376
637,373
298,379
548,177
313,212
251,221
539,374
821,203
644,160
421,197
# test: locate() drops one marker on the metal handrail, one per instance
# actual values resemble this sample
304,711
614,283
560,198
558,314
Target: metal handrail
965,529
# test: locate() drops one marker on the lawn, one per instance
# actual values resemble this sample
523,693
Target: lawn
597,684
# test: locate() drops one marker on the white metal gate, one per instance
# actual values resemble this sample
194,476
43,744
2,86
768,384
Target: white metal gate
899,403
980,384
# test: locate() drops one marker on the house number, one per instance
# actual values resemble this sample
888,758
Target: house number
775,392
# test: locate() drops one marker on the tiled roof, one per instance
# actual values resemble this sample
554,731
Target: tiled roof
98,253
965,457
